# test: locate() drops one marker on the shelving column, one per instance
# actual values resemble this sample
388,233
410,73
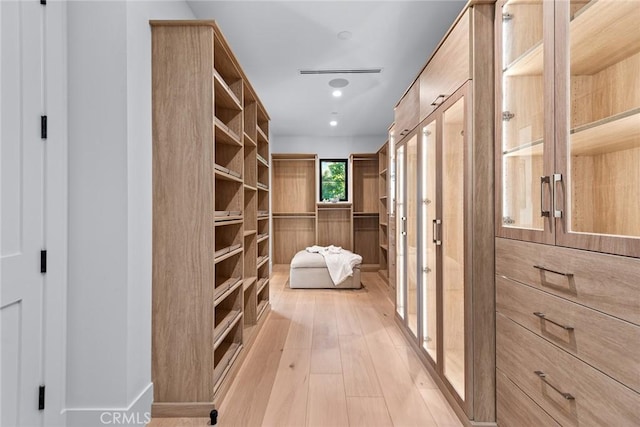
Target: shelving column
383,217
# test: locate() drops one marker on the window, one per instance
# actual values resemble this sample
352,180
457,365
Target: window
334,176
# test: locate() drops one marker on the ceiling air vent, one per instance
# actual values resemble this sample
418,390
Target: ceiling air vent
344,71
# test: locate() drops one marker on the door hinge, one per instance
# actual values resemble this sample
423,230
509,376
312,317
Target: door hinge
43,261
43,127
507,17
507,115
41,398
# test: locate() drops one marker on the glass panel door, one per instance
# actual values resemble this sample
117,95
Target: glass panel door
525,181
453,245
600,156
428,175
401,220
411,203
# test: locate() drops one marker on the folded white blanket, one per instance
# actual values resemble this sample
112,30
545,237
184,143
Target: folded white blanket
340,262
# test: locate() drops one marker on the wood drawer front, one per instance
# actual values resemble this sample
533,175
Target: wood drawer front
447,69
599,400
516,409
407,112
607,283
609,344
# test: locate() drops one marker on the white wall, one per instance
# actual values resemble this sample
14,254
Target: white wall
109,259
333,147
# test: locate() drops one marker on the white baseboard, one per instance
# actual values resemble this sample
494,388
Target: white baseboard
138,413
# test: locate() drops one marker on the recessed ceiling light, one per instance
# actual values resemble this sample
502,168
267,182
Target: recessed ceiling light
338,83
333,123
337,93
345,35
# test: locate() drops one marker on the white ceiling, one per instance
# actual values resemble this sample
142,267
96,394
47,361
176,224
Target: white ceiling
273,40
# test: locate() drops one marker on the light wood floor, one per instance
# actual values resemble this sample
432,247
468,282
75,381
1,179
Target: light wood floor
330,358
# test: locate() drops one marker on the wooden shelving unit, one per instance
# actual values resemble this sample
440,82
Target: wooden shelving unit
366,210
334,225
211,200
383,213
294,204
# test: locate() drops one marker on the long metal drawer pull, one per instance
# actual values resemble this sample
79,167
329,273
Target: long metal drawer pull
545,318
557,177
436,234
543,377
543,180
539,267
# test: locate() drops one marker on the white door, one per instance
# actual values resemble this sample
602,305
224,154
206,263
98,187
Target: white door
21,212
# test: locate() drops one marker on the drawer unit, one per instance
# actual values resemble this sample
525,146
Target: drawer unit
607,283
448,69
407,112
569,390
610,344
516,409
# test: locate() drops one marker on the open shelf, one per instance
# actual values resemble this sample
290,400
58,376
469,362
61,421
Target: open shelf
225,320
223,95
224,356
224,135
228,222
225,287
249,141
262,161
225,176
262,237
262,260
385,247
262,136
383,172
262,283
228,253
246,284
620,132
262,305
529,63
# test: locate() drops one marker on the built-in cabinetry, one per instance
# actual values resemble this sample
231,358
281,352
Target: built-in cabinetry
444,236
567,202
209,200
293,204
383,212
364,194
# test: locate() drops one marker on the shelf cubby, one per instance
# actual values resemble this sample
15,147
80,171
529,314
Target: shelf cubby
225,354
250,170
250,210
249,299
365,237
263,202
228,238
228,201
263,228
523,24
294,174
229,159
250,255
228,274
228,313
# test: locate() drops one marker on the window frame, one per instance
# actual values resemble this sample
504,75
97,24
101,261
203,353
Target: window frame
346,177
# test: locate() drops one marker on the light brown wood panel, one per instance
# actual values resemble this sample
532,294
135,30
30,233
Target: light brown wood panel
250,209
364,184
293,184
357,368
598,399
524,97
447,69
515,408
365,238
368,411
406,406
327,401
287,404
407,112
334,226
589,270
250,117
291,235
523,29
603,341
605,196
229,195
611,91
183,237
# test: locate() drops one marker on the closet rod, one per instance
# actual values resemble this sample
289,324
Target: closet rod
292,160
294,216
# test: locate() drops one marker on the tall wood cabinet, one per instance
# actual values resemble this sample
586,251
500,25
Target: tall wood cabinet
383,212
567,202
444,236
210,216
364,195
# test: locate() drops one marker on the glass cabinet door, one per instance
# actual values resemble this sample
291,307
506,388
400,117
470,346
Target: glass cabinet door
451,233
411,203
401,234
598,154
429,243
526,162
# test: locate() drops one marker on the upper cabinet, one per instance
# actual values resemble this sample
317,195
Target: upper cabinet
568,124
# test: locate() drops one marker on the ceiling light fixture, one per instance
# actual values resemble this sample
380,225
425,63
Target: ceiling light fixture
337,93
345,35
333,123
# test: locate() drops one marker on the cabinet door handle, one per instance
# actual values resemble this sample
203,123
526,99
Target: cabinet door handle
543,180
435,101
436,232
404,225
543,377
545,318
539,267
557,177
